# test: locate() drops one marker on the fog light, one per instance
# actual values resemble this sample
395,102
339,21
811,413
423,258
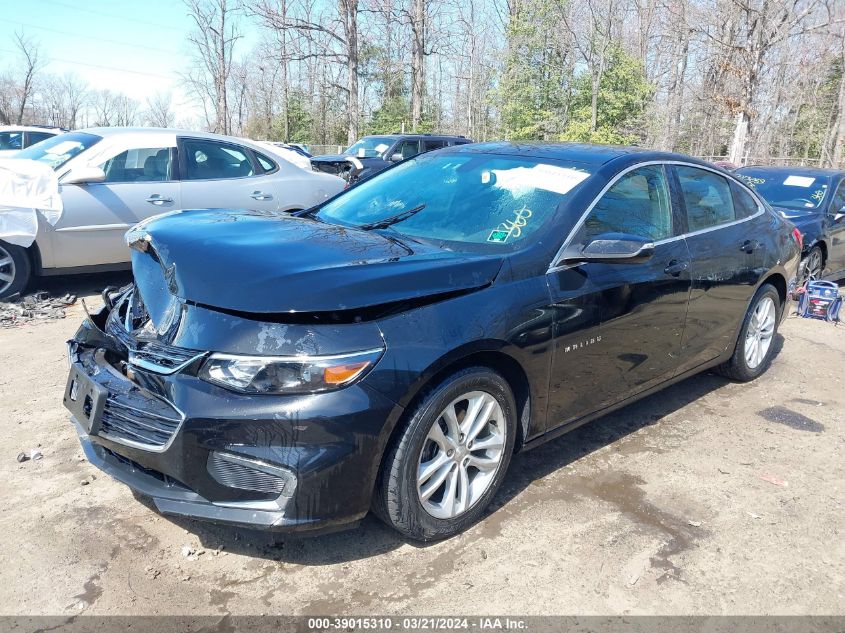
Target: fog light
234,471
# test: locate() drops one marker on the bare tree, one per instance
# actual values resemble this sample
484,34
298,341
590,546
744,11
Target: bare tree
159,111
214,40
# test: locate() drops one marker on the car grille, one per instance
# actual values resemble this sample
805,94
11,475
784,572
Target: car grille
239,472
124,422
136,417
165,479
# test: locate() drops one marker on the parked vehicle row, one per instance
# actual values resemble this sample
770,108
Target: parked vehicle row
393,346
372,154
14,138
112,178
814,201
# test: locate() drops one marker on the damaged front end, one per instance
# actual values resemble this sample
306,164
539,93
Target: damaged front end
150,413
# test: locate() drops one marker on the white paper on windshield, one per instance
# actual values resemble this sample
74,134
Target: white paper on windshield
27,189
59,149
549,177
799,181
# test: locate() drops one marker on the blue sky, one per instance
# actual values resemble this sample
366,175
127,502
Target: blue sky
136,47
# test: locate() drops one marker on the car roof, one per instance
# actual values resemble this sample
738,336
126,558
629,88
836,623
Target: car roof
30,128
422,136
796,171
574,152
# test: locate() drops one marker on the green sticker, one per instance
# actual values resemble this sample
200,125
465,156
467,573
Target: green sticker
498,235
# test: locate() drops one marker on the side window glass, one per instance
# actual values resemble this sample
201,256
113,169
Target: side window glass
37,137
266,164
707,196
433,145
11,140
838,203
212,160
408,149
149,164
637,204
745,205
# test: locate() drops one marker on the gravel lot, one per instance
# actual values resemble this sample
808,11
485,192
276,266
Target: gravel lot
708,498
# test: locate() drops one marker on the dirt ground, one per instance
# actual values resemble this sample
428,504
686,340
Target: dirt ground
708,498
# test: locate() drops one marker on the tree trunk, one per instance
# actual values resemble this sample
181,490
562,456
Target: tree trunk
839,128
418,20
350,11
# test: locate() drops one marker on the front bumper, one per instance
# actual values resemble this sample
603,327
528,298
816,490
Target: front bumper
330,443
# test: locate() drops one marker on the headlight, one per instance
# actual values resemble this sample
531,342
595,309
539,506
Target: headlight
287,374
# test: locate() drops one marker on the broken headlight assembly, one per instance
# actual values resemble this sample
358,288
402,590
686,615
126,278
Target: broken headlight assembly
287,374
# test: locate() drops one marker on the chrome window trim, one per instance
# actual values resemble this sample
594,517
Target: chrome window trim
555,265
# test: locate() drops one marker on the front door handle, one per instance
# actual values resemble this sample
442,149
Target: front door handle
260,195
749,246
158,200
675,268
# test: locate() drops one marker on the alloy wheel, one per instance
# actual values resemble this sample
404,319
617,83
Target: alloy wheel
461,455
761,329
813,266
7,270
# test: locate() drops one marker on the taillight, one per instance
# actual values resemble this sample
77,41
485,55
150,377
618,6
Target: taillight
798,238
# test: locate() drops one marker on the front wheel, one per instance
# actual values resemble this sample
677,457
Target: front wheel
15,269
450,458
753,351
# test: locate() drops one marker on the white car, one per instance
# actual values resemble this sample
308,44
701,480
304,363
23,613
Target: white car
112,178
14,138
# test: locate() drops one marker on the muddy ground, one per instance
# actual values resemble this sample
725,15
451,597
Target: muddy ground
708,498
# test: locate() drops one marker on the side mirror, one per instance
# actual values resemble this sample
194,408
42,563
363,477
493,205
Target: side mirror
396,158
616,248
84,175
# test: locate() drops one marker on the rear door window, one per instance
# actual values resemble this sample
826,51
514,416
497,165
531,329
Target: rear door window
707,197
36,137
432,145
213,160
744,204
637,204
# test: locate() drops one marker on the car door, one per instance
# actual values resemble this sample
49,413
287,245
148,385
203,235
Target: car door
218,174
619,326
140,182
726,256
836,231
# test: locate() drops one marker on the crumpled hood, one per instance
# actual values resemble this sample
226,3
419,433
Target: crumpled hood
268,262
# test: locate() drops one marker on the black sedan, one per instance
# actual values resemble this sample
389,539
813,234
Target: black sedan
394,347
814,201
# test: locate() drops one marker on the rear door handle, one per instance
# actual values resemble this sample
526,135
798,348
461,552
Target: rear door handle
260,195
749,246
675,268
158,200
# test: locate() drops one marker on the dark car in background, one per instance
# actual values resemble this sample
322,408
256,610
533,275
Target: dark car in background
814,201
393,347
372,154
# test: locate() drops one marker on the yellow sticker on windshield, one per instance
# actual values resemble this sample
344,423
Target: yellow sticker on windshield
511,228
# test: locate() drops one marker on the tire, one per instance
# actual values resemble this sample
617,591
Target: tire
814,259
746,365
398,498
15,269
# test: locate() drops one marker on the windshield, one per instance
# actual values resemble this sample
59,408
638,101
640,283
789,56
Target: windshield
60,149
802,192
369,147
470,198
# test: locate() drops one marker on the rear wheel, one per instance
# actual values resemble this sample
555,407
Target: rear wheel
813,265
450,458
15,269
753,351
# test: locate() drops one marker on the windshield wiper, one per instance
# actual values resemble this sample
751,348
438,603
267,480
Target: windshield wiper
391,220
